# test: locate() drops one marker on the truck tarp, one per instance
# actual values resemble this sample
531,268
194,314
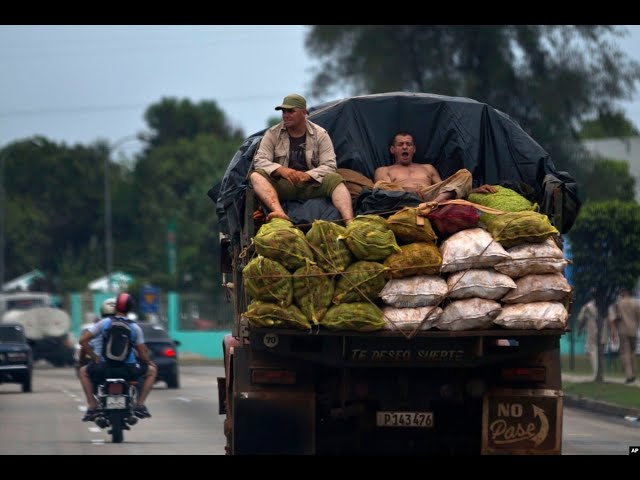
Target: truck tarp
450,133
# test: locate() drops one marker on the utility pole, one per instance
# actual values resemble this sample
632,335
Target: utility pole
108,225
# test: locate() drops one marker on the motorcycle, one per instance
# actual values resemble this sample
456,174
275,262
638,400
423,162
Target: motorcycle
116,399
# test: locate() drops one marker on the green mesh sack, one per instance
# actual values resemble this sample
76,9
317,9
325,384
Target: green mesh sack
504,199
516,228
312,292
279,240
370,238
419,258
405,227
329,248
360,316
263,314
362,280
268,281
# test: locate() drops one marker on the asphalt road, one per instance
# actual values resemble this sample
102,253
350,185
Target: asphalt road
186,421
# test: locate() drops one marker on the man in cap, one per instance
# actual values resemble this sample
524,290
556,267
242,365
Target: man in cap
296,160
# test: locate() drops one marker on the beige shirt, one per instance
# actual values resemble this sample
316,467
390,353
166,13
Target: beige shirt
627,316
588,318
273,151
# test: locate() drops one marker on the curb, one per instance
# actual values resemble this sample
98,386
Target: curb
601,407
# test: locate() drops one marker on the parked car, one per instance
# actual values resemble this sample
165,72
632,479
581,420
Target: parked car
16,356
164,353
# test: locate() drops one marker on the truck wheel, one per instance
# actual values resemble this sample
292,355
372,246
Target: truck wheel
26,384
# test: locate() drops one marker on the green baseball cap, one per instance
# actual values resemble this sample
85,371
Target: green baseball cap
293,101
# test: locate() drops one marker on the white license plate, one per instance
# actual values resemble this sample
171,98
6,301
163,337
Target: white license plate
116,402
404,419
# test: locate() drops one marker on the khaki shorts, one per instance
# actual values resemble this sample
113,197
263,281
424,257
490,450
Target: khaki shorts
459,182
304,191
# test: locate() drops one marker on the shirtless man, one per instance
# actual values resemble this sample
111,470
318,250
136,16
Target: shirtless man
422,179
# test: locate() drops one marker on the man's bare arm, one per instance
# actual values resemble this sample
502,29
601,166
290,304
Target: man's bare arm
485,189
85,347
382,174
143,354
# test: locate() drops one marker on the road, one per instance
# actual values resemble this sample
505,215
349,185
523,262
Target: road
47,421
186,421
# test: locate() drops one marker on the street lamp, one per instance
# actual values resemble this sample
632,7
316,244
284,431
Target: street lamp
36,142
108,228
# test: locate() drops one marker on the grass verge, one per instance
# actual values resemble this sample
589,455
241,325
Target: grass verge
614,393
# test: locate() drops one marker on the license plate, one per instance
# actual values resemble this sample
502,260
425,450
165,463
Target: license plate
116,402
404,419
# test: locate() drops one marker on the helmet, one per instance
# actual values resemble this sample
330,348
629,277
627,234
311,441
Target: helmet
124,303
108,307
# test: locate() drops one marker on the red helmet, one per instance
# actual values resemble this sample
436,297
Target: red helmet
124,303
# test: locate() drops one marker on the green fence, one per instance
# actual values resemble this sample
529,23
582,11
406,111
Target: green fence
198,321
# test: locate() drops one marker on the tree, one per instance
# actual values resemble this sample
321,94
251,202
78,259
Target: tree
54,210
605,247
606,125
609,179
547,77
172,120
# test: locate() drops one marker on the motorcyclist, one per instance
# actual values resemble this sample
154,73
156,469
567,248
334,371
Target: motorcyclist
142,366
107,309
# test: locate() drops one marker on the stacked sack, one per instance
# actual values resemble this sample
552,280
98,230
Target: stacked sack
331,274
394,273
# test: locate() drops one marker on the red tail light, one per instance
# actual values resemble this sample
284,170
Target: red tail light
272,376
115,389
169,352
524,374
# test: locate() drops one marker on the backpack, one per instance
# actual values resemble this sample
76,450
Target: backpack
118,340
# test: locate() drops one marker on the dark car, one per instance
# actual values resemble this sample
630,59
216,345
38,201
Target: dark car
164,353
16,357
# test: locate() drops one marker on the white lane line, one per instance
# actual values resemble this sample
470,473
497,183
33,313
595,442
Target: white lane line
95,429
97,441
182,399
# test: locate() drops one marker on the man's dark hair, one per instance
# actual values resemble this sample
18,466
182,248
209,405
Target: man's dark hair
401,132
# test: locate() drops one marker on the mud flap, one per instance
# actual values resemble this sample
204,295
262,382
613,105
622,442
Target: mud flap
522,422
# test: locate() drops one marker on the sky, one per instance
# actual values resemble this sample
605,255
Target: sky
80,83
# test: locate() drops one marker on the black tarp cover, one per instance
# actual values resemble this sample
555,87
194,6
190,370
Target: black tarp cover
450,133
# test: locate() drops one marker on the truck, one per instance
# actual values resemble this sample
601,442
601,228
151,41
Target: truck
46,327
488,391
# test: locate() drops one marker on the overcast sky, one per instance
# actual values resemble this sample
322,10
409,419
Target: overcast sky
80,83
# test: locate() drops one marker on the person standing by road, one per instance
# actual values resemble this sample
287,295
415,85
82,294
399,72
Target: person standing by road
626,320
588,320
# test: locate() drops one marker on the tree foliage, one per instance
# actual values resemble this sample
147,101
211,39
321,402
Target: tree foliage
605,249
172,120
608,179
547,77
55,204
607,125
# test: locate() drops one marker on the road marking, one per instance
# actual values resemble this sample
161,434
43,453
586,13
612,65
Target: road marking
95,429
182,399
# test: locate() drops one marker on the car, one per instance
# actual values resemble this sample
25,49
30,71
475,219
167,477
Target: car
16,356
164,353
